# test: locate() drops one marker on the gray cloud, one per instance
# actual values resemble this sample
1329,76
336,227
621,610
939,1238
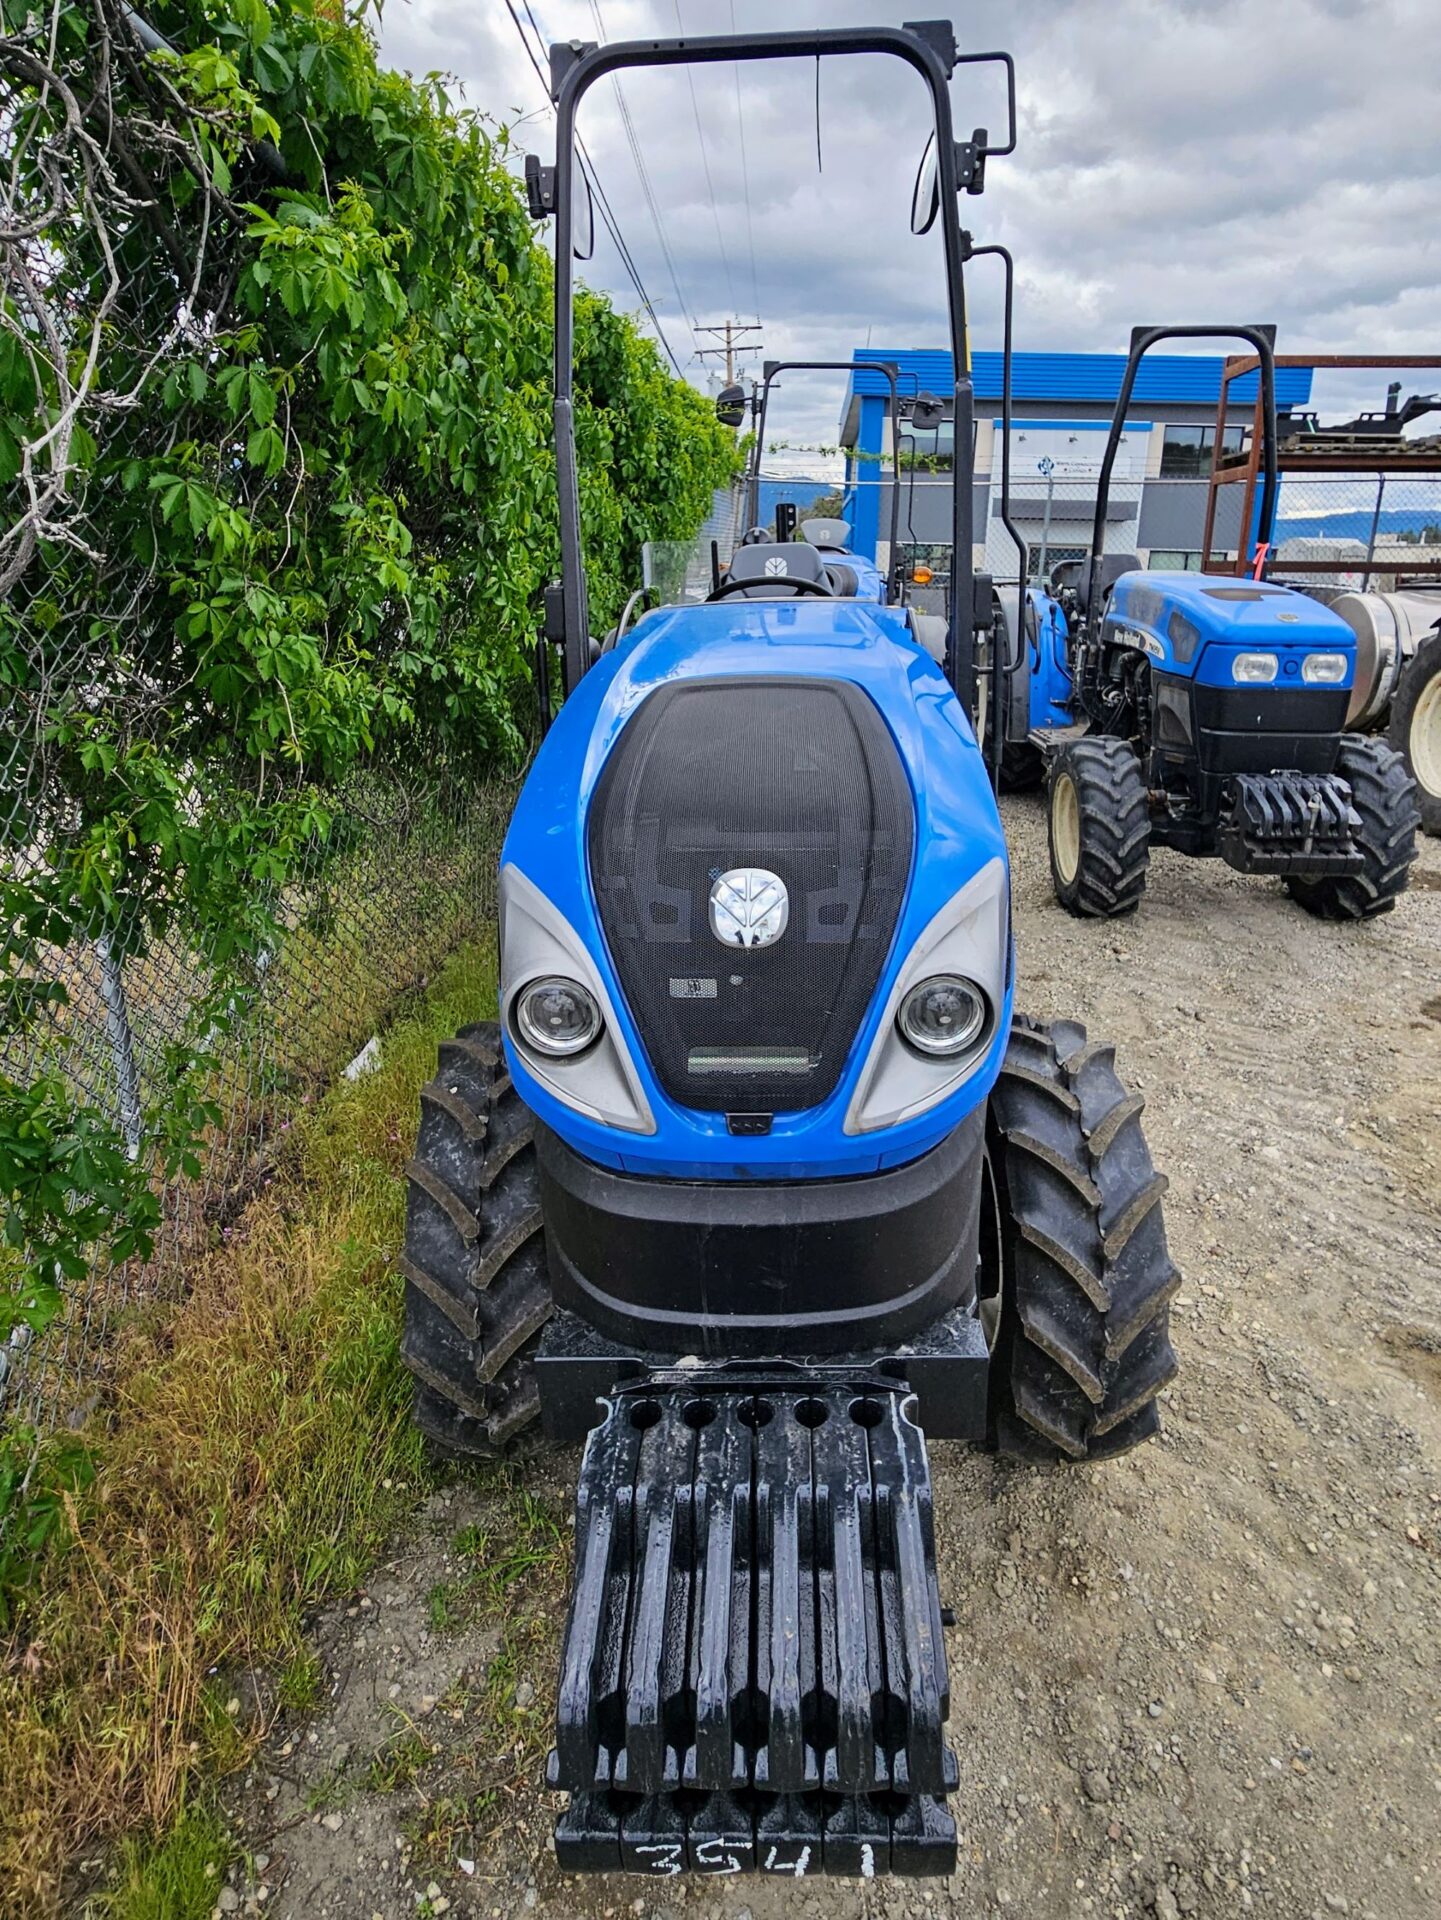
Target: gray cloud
1194,160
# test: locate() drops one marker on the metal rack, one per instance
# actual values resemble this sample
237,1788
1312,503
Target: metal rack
1361,455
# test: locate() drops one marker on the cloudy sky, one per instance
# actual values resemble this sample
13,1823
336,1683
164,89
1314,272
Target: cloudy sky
1177,160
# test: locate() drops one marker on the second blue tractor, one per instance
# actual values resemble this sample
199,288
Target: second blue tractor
1199,712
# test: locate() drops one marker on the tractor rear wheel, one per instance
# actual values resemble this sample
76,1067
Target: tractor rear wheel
1023,767
1384,796
477,1290
1099,826
1082,1331
1415,728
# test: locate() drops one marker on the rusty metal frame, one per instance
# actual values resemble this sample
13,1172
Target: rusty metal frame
1246,470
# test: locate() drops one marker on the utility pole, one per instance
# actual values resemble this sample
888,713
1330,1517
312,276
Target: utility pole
730,331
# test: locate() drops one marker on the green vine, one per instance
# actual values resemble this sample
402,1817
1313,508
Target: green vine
275,442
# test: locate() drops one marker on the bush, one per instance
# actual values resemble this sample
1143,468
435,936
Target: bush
274,428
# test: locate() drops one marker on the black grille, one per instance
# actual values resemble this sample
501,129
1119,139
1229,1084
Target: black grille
795,776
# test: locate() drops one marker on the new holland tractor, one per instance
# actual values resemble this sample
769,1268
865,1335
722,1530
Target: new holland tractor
1200,712
759,1177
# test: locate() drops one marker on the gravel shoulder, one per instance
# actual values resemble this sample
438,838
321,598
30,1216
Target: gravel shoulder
1202,1680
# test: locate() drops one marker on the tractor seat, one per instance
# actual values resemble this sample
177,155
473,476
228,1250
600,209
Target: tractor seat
771,564
1113,565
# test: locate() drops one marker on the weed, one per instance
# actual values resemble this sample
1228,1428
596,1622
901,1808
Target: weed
36,1483
300,1683
399,1762
519,1584
223,1743
175,1877
534,1540
256,1454
330,1792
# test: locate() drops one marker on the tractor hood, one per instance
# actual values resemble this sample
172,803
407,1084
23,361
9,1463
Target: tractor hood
1194,624
719,838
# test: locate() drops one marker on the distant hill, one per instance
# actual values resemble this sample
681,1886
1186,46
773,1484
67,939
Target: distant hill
799,489
1355,523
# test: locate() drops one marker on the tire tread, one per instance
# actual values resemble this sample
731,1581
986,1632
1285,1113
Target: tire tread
1085,1346
477,1291
1115,827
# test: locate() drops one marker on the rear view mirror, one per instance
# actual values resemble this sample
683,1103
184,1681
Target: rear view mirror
926,194
928,413
730,406
582,215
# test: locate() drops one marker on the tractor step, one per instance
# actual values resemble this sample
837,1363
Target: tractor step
1050,739
754,1675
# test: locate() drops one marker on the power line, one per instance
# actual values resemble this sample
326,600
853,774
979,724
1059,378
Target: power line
746,178
612,226
643,173
705,163
730,331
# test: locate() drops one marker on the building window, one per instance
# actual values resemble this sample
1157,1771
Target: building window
933,451
1174,560
1186,451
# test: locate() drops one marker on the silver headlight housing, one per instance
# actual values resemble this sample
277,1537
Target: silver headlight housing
544,964
966,944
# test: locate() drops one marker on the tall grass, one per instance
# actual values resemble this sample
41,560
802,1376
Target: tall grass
251,1456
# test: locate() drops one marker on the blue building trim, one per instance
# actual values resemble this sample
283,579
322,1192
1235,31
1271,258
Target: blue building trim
865,516
1076,426
1093,378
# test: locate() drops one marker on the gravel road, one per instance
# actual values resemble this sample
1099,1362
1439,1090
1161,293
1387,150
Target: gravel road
1202,1680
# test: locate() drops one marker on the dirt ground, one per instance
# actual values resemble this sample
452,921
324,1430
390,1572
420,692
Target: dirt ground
1200,1680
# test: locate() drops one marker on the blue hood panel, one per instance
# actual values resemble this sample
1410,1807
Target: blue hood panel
958,833
1194,624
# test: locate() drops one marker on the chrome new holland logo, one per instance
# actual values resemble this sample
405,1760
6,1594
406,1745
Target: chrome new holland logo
749,907
776,566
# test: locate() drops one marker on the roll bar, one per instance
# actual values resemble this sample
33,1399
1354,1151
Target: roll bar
929,47
1263,340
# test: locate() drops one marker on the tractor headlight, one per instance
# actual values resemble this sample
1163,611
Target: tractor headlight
1324,669
943,1016
940,1016
1254,669
557,1017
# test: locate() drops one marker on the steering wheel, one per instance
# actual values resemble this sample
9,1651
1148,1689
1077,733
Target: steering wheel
790,580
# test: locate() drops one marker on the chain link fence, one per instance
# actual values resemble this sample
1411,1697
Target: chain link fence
1358,530
405,873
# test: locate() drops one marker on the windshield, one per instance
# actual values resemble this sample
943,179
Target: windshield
679,572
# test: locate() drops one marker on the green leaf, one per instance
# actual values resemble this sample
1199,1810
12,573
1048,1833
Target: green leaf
262,396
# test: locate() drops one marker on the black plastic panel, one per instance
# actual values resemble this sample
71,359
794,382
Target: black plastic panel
750,1268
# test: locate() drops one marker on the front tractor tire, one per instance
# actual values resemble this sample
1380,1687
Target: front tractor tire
1384,797
477,1289
1415,728
1099,828
1083,1336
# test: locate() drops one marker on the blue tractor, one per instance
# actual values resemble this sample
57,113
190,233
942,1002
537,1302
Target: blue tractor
760,1176
1200,712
